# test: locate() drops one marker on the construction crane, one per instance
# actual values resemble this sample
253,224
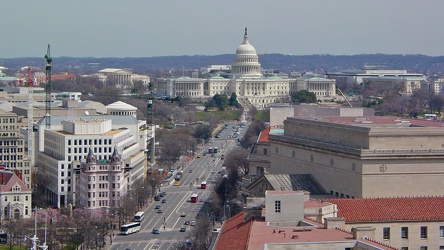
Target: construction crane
48,87
30,83
328,76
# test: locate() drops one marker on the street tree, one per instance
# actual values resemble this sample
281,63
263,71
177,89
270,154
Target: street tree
202,132
303,96
237,160
201,233
436,103
252,133
221,101
233,99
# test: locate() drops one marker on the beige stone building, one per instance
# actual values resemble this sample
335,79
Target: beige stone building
363,156
13,153
403,222
280,222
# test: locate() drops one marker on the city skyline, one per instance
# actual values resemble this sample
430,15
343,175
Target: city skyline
172,28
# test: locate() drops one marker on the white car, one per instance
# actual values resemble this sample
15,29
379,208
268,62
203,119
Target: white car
193,223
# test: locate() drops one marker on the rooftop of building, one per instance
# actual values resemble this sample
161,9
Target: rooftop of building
119,105
374,121
114,70
291,182
106,134
390,209
255,234
263,136
117,119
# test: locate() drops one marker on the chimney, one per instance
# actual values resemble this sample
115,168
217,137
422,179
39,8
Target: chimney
363,232
334,222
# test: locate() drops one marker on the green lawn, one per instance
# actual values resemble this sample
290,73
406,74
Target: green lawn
221,115
17,247
262,115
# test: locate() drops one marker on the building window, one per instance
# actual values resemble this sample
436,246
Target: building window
404,232
386,233
404,248
265,151
423,248
277,206
441,231
423,232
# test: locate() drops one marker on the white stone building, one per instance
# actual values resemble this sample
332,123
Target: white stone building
324,88
63,147
243,77
121,77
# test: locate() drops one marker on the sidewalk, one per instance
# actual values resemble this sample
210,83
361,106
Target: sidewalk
109,239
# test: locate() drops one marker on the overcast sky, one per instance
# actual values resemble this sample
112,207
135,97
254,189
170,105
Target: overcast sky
145,28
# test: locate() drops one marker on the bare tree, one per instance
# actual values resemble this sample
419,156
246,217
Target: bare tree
237,160
201,233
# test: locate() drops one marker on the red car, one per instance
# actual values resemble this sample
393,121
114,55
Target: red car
187,222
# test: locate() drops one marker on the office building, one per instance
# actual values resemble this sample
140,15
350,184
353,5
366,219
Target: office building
372,156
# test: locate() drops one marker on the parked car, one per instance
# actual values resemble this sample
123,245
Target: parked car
159,211
157,206
182,229
187,222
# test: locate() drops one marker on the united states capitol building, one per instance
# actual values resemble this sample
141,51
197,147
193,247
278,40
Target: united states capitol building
244,77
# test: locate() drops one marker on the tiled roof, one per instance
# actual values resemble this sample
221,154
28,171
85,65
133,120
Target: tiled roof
5,177
263,136
307,237
234,233
237,234
390,209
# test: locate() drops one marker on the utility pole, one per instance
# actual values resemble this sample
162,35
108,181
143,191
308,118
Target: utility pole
34,239
152,129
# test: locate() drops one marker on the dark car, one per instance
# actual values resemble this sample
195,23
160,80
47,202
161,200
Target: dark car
156,231
157,198
182,229
162,194
157,206
164,201
187,222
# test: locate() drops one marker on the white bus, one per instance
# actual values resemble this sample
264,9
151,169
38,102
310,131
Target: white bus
139,216
130,228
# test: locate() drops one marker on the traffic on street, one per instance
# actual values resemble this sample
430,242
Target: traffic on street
167,221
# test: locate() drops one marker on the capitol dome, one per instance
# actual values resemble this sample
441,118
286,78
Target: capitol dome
246,62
